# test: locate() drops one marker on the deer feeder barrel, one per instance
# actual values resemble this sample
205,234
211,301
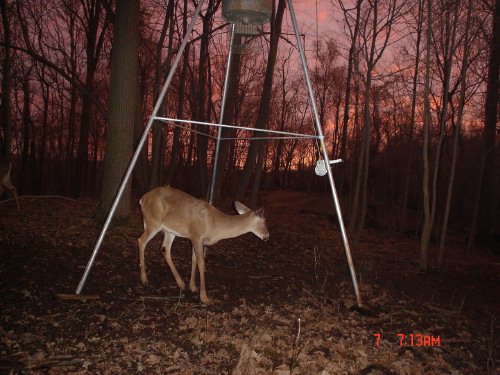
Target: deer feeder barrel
247,11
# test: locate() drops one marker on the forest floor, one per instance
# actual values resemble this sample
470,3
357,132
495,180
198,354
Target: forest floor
285,306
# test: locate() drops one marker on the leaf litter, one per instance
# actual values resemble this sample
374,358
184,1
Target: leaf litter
281,307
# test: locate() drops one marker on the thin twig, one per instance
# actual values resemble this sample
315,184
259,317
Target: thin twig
77,297
295,345
178,300
54,362
490,361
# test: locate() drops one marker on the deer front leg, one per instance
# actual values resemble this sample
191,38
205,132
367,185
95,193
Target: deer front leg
192,280
14,192
166,248
5,181
142,246
198,249
142,242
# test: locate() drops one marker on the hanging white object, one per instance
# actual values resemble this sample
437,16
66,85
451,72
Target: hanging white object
320,168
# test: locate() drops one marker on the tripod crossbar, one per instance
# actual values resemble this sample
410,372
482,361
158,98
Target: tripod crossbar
288,135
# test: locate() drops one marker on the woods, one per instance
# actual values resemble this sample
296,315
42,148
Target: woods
401,97
408,101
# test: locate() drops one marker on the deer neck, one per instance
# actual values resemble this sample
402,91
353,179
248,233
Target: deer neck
229,226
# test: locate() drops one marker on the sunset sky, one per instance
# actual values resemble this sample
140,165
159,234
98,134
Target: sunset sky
327,18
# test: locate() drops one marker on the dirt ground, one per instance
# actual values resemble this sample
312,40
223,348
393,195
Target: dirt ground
285,306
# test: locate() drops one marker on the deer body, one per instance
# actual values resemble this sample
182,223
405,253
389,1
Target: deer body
178,214
5,181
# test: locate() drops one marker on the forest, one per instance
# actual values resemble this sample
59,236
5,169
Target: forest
407,94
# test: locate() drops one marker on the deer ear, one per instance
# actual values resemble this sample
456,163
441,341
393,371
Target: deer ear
241,208
260,212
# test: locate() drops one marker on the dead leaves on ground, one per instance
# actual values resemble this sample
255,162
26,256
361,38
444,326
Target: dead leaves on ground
259,292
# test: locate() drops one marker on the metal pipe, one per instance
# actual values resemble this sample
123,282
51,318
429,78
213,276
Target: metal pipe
325,154
265,138
138,149
221,116
297,135
245,138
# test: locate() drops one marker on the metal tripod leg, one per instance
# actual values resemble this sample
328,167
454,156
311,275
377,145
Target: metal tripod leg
319,131
215,162
138,149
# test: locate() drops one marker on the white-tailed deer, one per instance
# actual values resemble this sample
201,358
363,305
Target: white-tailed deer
179,214
5,182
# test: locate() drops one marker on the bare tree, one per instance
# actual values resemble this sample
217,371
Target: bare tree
376,31
458,128
426,230
175,154
201,112
449,46
354,32
419,25
229,118
159,138
283,114
449,50
483,210
94,35
263,112
5,147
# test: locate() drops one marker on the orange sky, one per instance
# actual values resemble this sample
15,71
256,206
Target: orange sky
306,16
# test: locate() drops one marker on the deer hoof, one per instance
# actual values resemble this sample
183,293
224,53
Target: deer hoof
144,280
204,299
193,288
181,284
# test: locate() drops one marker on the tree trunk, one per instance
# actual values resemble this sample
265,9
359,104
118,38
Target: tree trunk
228,119
365,165
426,230
280,142
200,113
447,65
122,106
175,156
261,157
92,49
486,184
402,219
350,68
81,170
461,105
5,99
158,147
381,24
26,132
40,163
142,170
263,113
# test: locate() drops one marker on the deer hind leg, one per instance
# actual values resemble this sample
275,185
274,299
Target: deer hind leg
192,280
198,250
7,184
166,249
149,233
14,193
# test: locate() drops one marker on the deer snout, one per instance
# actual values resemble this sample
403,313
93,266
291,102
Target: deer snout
261,230
262,234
